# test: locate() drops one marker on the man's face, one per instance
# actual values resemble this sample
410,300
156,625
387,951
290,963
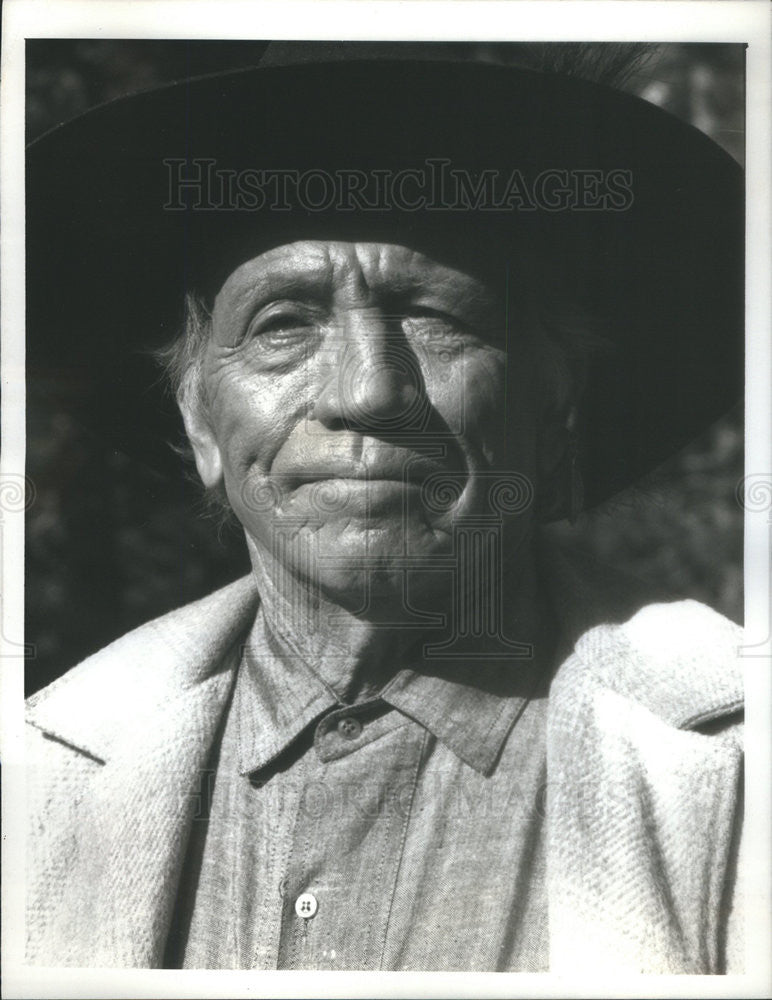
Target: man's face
356,409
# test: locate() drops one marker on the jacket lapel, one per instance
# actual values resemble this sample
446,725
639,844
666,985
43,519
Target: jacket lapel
117,810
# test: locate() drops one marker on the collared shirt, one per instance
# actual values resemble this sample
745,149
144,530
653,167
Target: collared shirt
404,832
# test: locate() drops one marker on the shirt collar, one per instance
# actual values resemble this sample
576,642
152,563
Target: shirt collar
277,696
469,705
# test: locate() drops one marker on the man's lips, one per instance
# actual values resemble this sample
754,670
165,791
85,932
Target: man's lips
413,469
315,458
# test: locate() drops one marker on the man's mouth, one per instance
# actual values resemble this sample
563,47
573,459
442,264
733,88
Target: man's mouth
412,470
371,462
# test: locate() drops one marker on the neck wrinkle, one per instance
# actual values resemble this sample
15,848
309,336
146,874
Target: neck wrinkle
355,658
351,656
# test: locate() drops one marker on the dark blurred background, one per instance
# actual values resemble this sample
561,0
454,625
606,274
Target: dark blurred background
110,544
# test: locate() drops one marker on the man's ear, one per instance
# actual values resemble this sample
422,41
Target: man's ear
206,451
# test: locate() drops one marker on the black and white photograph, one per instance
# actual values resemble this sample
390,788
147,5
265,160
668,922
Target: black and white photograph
385,497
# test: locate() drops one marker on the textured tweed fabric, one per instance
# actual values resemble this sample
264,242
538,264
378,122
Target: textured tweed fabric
643,798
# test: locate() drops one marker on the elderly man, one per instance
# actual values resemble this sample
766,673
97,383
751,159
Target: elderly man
415,737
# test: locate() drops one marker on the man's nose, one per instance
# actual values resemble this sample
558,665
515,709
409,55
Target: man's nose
373,380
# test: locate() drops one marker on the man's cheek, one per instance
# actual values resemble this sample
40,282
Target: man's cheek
243,429
447,388
256,501
472,402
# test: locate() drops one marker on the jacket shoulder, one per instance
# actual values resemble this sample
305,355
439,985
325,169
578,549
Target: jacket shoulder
182,627
645,760
679,659
147,668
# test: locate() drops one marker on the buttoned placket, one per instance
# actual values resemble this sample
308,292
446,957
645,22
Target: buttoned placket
315,831
347,840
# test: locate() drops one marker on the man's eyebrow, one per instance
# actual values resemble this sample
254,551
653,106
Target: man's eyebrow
281,278
392,286
457,290
407,282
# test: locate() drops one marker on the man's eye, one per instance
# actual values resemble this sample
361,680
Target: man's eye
449,331
280,324
432,324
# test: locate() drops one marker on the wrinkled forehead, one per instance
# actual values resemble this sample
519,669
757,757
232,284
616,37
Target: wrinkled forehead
364,272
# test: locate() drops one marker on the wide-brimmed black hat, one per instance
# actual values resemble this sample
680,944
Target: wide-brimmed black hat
569,192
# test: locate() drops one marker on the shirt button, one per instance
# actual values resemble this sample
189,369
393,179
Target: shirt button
350,728
306,905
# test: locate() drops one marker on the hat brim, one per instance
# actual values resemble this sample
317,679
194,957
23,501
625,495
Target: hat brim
109,261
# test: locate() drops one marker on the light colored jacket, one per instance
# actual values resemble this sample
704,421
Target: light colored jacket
643,804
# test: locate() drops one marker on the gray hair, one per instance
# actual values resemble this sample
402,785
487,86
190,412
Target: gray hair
182,361
182,364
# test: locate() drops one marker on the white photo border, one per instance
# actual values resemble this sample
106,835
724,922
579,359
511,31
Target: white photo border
746,21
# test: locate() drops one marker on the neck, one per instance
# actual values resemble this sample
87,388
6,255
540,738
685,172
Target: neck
356,650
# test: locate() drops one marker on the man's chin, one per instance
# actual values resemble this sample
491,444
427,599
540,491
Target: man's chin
345,556
380,593
385,543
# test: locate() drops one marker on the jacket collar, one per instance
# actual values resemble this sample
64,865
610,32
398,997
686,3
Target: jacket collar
147,675
677,658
